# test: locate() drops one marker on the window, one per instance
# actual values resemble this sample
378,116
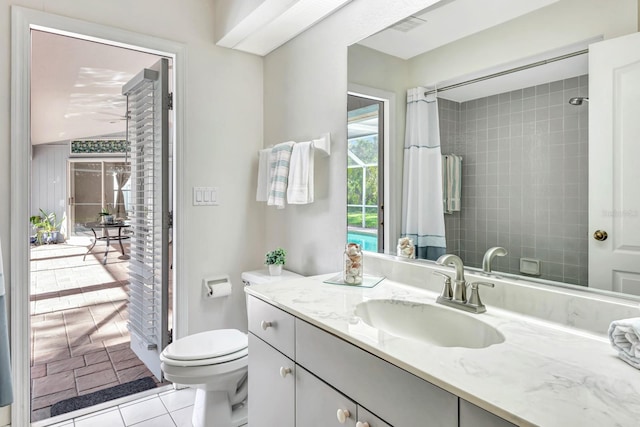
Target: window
364,173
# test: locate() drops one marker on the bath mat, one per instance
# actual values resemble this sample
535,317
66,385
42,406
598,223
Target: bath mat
100,396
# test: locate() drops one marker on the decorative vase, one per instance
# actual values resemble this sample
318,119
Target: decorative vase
275,269
353,264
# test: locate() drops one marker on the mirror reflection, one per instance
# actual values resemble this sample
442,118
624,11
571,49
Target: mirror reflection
491,147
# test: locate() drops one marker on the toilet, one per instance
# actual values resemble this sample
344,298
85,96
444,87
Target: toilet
215,364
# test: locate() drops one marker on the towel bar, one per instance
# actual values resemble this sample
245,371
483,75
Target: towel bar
322,144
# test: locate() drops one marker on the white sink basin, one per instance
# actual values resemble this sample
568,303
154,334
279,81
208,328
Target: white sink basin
431,323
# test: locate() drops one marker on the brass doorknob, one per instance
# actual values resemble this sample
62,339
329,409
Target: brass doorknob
600,235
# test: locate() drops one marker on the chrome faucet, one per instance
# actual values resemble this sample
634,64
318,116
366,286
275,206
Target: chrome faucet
489,255
459,284
457,297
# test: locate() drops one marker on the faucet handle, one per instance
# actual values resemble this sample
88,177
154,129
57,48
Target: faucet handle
447,293
474,298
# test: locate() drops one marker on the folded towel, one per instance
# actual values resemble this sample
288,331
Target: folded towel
451,182
300,186
279,161
625,337
264,171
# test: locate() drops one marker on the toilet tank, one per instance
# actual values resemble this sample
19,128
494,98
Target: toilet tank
257,277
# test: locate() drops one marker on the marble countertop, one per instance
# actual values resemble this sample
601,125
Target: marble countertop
543,374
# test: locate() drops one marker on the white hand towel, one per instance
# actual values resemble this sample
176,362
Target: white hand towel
300,189
279,162
625,337
264,178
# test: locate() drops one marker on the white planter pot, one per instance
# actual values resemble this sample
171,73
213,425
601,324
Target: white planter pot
275,270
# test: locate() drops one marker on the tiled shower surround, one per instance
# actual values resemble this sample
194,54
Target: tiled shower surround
525,177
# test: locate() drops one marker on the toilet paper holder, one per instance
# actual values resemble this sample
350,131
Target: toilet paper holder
216,286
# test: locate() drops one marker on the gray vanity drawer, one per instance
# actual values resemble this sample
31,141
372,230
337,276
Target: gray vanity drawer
272,325
400,398
473,416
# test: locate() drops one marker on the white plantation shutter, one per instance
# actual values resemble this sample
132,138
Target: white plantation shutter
147,104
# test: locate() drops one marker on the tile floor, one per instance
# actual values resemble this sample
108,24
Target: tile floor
171,408
80,341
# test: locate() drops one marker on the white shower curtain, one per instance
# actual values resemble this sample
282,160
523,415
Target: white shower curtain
422,208
6,390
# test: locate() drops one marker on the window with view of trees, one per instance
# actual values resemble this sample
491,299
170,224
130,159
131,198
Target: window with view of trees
364,210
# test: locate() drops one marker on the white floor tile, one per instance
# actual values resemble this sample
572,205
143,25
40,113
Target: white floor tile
108,418
178,399
63,424
142,410
161,421
182,417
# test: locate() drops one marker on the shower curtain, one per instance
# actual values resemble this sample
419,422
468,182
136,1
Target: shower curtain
422,206
6,390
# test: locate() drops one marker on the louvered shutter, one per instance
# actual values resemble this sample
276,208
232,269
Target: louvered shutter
147,104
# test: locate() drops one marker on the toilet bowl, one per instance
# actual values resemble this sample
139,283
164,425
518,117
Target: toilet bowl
215,364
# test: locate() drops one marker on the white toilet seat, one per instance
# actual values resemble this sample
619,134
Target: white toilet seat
206,348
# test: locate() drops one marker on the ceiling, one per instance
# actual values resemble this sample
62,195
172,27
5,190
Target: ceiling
447,21
76,84
433,28
76,87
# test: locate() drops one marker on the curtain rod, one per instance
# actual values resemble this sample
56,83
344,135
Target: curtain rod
512,70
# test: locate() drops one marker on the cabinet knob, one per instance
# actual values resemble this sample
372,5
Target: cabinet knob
284,371
343,415
362,424
265,325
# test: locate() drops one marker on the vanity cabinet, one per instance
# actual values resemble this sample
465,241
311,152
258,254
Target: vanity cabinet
274,401
301,375
472,416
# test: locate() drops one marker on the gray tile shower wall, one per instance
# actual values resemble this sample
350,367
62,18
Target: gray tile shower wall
525,177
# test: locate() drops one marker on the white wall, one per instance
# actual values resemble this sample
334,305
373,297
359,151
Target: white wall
224,113
306,95
49,179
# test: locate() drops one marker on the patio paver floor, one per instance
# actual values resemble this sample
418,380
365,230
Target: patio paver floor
79,337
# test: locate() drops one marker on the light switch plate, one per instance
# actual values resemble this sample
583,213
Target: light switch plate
205,196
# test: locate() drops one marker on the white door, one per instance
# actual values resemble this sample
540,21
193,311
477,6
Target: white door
614,164
148,134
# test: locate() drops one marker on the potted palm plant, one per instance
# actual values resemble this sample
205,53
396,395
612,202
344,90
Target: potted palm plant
275,259
47,227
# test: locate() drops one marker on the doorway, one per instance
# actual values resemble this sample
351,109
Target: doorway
24,22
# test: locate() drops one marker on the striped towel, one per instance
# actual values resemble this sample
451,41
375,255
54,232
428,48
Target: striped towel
451,182
280,156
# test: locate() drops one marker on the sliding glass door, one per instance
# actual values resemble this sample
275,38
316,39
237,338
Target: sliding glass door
95,185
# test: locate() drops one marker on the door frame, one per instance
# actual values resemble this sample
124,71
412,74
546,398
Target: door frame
391,214
23,20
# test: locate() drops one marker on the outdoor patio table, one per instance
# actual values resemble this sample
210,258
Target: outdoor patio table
108,238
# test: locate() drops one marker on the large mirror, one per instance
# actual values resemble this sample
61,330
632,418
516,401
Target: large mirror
512,90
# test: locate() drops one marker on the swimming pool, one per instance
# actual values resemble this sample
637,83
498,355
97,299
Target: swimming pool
367,241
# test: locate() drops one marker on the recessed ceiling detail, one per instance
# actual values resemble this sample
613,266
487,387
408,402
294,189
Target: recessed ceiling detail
275,22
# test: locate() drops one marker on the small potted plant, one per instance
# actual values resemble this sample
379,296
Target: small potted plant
105,216
275,260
